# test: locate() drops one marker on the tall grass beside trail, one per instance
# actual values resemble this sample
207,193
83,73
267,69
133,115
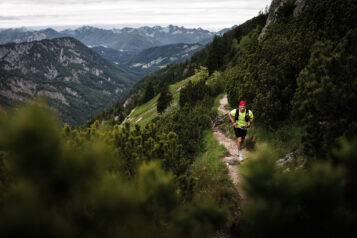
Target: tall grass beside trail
212,180
284,140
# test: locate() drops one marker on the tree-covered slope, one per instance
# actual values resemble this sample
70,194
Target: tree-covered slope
302,72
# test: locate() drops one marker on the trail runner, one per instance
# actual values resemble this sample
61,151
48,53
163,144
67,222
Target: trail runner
241,122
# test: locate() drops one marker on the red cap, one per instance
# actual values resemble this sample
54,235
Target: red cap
242,103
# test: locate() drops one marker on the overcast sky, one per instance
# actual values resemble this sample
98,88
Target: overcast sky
208,14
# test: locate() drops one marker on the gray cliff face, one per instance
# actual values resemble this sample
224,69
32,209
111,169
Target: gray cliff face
274,7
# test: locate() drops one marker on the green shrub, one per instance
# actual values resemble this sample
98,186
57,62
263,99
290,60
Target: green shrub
312,202
94,183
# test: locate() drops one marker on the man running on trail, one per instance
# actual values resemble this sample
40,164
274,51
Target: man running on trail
241,122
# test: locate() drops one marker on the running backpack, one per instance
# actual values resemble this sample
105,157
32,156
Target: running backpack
247,117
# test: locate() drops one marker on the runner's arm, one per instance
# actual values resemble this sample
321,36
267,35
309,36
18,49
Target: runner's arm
231,118
251,118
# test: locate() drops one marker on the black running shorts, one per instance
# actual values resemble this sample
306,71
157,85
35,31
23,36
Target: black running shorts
240,132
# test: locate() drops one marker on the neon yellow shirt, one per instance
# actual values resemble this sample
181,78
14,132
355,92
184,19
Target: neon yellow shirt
241,118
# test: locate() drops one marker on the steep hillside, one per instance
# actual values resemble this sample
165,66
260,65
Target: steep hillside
78,81
300,70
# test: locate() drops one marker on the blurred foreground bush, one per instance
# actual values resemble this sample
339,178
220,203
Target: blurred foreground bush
319,201
93,183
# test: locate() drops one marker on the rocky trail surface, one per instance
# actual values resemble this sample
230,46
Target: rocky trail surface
232,158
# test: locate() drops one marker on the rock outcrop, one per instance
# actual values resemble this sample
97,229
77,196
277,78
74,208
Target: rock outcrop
274,7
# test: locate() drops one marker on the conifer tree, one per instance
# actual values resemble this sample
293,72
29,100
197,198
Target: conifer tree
164,99
149,92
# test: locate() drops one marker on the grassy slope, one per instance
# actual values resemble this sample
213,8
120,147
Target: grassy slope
145,113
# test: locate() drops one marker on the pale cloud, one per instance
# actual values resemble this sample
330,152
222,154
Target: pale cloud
208,14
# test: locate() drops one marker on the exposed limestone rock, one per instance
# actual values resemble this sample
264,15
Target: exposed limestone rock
67,79
299,7
289,158
231,160
52,73
76,60
74,52
13,57
300,4
106,92
11,95
51,87
33,70
97,72
61,57
72,92
16,88
22,86
75,76
118,90
127,101
54,95
65,42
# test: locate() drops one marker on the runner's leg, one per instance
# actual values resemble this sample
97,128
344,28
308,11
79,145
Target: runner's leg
240,142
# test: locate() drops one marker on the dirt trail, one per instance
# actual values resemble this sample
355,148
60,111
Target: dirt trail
232,159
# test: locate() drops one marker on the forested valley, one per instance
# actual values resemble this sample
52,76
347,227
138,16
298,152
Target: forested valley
112,177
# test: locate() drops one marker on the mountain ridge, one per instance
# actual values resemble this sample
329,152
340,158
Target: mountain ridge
76,79
121,39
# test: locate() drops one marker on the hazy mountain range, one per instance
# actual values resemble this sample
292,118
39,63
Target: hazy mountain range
126,39
151,59
144,49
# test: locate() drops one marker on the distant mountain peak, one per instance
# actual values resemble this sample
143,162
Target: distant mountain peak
87,28
126,39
